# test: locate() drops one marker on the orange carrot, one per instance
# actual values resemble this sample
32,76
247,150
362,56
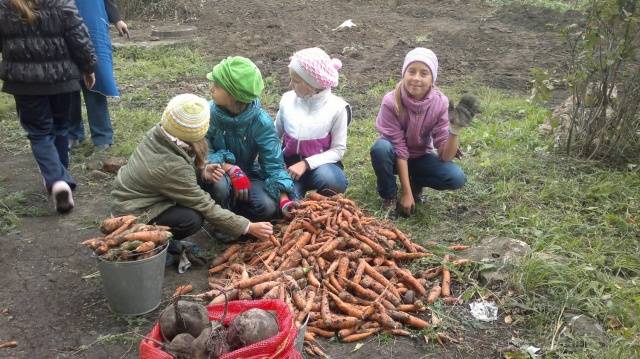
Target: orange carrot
127,223
343,267
405,240
461,262
431,273
434,293
93,243
446,279
346,308
380,278
218,268
359,336
320,332
451,300
296,273
111,224
260,289
458,247
359,271
182,290
145,247
315,196
333,266
375,246
406,277
388,234
231,295
408,319
157,237
399,332
403,256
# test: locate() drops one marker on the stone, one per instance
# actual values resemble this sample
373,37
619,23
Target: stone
582,328
97,175
113,164
173,31
502,253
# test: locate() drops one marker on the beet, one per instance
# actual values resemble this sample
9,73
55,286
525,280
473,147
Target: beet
183,317
211,343
180,346
250,327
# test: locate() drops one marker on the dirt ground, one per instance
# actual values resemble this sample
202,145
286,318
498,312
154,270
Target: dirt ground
54,313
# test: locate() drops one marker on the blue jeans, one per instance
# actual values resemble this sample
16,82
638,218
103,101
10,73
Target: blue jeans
426,171
261,207
46,120
98,116
327,179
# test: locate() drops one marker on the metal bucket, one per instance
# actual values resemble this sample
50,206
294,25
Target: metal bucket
133,288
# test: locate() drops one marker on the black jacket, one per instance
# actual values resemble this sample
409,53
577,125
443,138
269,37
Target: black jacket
47,57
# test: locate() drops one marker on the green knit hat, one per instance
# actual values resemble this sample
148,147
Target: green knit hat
239,76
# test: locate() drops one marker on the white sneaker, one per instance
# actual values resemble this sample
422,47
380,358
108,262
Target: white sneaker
62,197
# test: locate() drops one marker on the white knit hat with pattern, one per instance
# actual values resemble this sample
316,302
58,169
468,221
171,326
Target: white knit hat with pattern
187,117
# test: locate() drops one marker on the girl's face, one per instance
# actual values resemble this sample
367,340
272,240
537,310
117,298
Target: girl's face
220,96
300,86
417,80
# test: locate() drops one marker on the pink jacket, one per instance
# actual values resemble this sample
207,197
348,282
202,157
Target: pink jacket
422,126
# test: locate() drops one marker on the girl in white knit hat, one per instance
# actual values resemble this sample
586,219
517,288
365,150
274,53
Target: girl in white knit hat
160,181
312,123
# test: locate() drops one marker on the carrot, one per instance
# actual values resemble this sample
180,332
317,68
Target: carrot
431,273
309,337
231,295
338,322
359,336
145,247
458,247
434,293
311,295
405,240
182,290
111,224
380,278
388,234
320,332
315,196
346,332
343,267
333,266
291,261
8,344
157,237
386,321
360,291
218,269
359,271
399,332
451,300
274,240
309,227
320,219
93,243
114,242
446,279
403,256
247,283
406,277
375,246
346,308
368,282
120,230
335,283
273,293
461,262
408,319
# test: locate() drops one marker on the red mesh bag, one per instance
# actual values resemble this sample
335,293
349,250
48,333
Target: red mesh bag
279,346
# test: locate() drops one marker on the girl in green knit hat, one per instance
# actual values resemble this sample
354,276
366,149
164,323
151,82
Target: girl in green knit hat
246,171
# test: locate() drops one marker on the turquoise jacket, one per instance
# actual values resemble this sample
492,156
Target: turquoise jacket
242,139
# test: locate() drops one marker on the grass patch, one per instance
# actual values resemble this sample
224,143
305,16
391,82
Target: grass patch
558,5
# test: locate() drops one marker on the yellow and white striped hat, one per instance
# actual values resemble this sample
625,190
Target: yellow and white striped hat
187,117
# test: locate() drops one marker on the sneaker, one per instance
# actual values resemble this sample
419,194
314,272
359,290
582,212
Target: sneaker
103,147
62,197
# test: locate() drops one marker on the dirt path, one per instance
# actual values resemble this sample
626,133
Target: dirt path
53,312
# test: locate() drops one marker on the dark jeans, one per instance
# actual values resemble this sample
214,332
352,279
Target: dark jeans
183,221
261,207
327,179
97,114
426,171
46,120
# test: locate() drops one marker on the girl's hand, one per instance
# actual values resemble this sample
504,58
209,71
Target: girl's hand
260,230
89,80
212,172
407,204
297,170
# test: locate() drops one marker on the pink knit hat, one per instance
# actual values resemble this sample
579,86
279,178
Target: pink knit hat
425,56
316,67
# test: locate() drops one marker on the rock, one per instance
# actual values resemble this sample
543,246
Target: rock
582,328
502,252
173,31
98,175
113,164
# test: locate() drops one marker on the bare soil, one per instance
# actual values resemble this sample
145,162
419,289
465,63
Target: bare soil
54,313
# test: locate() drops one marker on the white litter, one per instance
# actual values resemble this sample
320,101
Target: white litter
483,310
346,24
534,352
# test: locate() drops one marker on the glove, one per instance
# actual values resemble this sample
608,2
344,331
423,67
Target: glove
240,183
286,207
462,115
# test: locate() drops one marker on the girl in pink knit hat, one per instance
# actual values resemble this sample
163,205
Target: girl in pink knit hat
416,142
312,123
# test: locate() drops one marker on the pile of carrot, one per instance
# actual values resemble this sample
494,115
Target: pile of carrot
125,240
339,270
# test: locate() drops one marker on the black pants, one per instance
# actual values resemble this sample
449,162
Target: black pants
183,221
